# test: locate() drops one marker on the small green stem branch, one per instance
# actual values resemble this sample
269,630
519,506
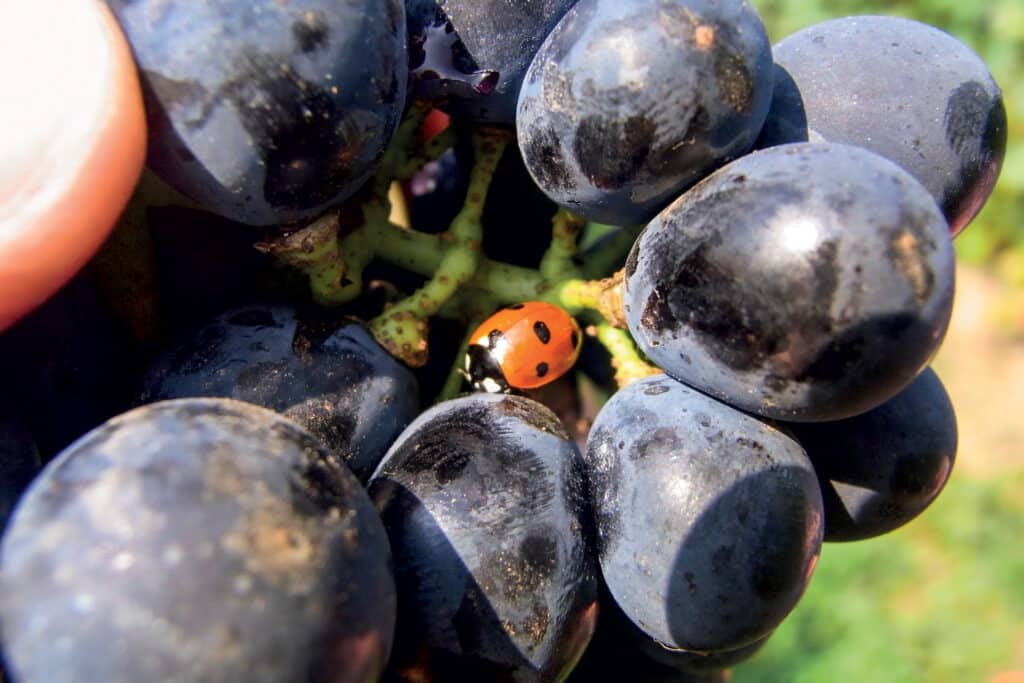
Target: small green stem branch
557,262
603,296
314,251
402,328
402,147
628,364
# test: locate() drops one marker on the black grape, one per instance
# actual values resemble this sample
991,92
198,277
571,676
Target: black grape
902,89
436,193
628,103
196,540
69,366
701,662
337,383
517,215
472,54
19,458
709,521
618,642
483,500
205,264
805,282
881,469
266,111
614,655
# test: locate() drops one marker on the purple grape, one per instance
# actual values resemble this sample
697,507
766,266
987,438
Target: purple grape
483,500
628,103
264,111
902,89
709,521
197,539
805,282
881,469
472,54
335,382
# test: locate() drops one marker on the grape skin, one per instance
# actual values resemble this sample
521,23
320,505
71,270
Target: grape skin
709,521
266,112
805,282
881,469
197,539
493,35
628,103
902,89
339,384
482,497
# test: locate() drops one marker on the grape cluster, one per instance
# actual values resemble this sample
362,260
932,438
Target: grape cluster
265,493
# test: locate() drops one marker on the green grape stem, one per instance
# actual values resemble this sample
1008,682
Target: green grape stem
628,364
462,283
402,328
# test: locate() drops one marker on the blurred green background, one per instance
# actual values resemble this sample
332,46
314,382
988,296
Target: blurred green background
941,599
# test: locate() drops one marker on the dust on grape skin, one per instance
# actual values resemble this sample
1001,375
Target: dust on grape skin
946,126
490,486
616,149
742,274
267,525
909,254
325,377
276,121
682,478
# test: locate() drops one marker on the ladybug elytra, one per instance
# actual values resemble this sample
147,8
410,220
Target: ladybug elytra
523,346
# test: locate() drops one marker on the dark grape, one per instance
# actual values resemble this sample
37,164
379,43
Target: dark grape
205,264
337,383
902,89
628,103
881,469
517,217
69,365
804,282
484,45
198,539
701,663
267,111
614,655
19,458
625,644
709,521
483,501
436,193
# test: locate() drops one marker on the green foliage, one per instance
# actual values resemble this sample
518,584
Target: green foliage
995,30
941,599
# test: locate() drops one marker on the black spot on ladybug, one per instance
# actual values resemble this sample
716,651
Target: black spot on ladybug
514,307
541,330
493,337
542,369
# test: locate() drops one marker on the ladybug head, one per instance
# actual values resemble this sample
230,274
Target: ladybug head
483,370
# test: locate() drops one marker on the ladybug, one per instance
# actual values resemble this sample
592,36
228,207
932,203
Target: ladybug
523,346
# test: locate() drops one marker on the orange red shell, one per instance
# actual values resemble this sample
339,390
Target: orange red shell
523,346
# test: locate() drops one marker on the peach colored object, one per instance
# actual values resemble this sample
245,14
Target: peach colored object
72,143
